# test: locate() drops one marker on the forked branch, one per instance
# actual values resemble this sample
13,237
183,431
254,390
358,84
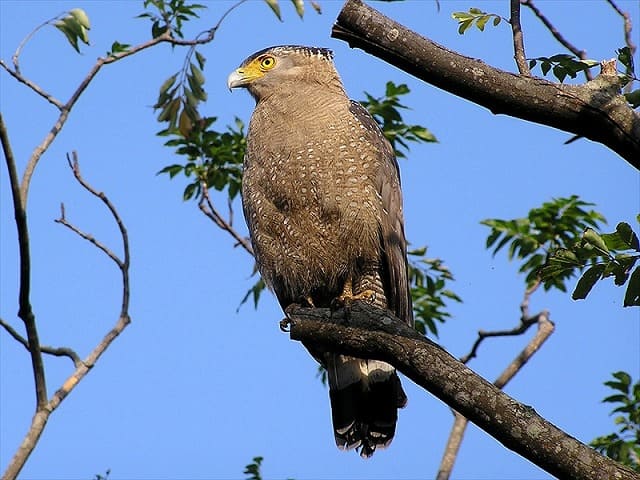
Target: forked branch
545,329
82,367
211,212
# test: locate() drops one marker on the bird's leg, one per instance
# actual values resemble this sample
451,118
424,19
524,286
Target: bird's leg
347,296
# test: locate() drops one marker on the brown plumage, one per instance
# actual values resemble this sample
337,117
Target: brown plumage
321,196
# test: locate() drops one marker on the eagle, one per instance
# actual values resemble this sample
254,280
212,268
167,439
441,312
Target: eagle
322,200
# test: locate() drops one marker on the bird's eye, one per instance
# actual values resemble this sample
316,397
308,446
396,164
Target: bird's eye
267,63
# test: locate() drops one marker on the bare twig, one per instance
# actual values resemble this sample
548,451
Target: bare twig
581,54
526,321
207,207
16,56
43,412
518,39
56,351
545,329
75,167
627,36
33,86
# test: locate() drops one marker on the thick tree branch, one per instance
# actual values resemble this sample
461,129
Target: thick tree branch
595,110
373,333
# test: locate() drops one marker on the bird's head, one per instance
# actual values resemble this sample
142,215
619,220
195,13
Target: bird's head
281,67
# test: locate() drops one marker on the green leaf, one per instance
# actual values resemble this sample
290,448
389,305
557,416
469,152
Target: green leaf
592,237
190,190
81,17
482,21
624,378
316,6
69,33
628,236
170,111
200,59
167,84
587,281
275,7
253,469
632,295
299,6
197,74
614,398
633,98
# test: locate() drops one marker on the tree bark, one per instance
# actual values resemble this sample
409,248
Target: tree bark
365,331
595,110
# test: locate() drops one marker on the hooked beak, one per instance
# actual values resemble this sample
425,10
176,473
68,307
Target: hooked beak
237,79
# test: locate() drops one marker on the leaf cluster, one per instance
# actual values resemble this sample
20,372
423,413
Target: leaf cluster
169,15
75,25
606,255
556,225
476,17
178,101
562,65
623,445
428,279
117,47
274,5
386,111
213,158
252,470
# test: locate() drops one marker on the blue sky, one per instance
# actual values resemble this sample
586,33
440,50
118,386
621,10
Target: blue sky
195,388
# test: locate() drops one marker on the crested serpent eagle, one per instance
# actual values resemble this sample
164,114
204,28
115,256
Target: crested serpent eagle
321,196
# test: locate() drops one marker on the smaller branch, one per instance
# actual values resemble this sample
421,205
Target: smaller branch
627,34
524,305
525,322
452,447
230,207
519,330
43,412
33,86
518,39
581,54
75,167
207,207
88,237
16,56
55,351
545,329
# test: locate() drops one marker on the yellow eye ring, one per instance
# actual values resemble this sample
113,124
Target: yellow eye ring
267,62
